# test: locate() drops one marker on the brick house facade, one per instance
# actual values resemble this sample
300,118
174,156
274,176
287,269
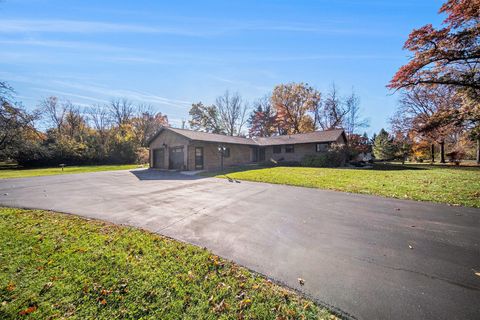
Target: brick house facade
181,149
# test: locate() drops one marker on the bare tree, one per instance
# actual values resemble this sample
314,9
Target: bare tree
353,120
6,92
420,108
232,111
334,111
74,122
100,118
121,111
55,111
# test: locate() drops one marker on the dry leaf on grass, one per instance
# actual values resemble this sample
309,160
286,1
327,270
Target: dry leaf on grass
28,310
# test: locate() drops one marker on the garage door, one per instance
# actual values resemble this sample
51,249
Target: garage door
176,158
159,158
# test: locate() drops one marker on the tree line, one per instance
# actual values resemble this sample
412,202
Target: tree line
290,108
117,132
438,111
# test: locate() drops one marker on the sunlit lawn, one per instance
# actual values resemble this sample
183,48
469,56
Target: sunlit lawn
446,184
6,172
56,266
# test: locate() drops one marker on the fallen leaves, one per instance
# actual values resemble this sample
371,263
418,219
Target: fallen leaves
216,261
46,287
113,286
10,287
245,303
220,307
28,310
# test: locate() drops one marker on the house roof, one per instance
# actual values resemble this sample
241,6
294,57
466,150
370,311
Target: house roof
204,136
312,137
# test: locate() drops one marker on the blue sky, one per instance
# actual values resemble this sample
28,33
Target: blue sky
172,53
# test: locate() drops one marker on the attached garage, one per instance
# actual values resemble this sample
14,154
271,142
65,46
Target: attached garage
181,149
176,158
159,158
168,151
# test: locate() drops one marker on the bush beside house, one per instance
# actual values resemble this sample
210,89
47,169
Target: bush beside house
335,156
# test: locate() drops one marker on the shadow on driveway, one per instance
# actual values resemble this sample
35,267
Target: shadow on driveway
153,174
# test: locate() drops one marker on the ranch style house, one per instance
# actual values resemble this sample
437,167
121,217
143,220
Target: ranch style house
181,149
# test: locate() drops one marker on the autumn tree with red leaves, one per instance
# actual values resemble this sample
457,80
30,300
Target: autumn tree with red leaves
448,56
262,121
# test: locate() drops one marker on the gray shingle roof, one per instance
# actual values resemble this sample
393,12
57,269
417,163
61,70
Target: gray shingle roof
212,137
312,137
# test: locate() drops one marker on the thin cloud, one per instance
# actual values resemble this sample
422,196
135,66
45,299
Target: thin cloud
329,57
70,94
211,28
14,26
70,26
245,84
63,44
129,94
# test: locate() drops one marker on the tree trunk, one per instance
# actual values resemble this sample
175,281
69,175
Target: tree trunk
478,149
433,153
442,152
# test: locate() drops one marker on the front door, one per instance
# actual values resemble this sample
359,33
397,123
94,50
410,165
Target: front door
199,158
159,158
176,158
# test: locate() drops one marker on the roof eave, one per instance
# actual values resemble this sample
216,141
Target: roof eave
160,131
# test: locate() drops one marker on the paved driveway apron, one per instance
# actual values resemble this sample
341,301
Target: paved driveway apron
371,257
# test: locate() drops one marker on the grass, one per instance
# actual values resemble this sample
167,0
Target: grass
9,172
444,184
60,266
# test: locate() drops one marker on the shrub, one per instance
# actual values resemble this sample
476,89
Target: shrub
335,156
142,155
455,156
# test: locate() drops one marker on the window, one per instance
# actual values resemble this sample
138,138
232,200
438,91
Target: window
277,149
321,147
226,153
289,148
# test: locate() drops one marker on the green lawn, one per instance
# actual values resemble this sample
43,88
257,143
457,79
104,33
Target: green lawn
6,172
59,266
446,184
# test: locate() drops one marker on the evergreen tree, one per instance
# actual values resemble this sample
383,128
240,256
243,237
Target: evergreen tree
383,146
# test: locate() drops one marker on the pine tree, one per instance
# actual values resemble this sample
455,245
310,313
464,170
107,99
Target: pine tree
383,146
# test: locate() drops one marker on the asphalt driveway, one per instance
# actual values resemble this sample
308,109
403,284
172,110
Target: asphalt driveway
371,257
